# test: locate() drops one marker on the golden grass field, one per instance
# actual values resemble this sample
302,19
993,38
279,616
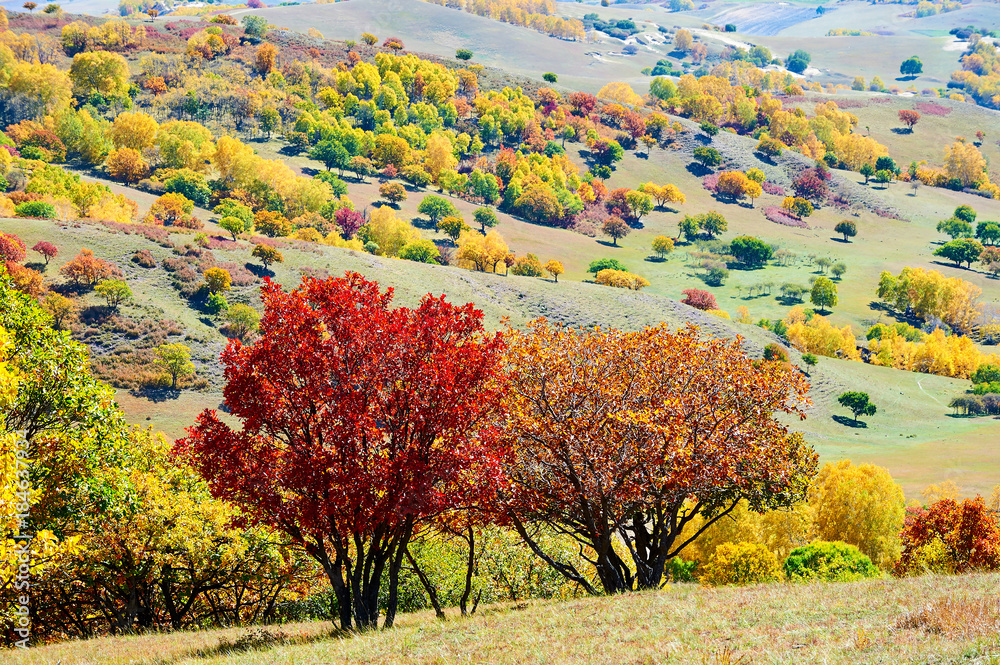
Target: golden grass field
929,619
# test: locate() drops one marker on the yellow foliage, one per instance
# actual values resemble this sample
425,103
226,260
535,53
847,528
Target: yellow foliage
860,505
621,279
780,531
621,93
133,130
389,232
929,294
479,252
952,355
964,161
535,14
741,563
14,463
855,150
308,234
946,490
334,239
818,335
113,208
438,155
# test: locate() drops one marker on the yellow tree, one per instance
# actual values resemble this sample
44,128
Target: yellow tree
46,83
265,59
388,231
219,280
860,505
554,268
479,252
964,161
126,165
438,155
134,130
683,41
619,92
99,71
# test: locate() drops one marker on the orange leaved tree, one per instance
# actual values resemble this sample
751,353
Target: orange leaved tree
628,436
360,422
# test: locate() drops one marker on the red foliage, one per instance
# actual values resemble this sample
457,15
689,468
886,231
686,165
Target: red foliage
771,188
711,182
255,4
46,249
933,108
12,248
359,421
506,165
17,198
155,233
616,204
909,118
634,124
811,185
349,221
969,531
699,299
783,217
582,102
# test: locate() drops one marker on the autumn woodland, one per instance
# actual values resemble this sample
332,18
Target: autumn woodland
499,330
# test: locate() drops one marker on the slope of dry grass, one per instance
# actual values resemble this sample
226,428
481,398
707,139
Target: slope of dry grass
929,619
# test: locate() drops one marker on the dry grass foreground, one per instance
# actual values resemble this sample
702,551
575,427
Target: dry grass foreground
929,619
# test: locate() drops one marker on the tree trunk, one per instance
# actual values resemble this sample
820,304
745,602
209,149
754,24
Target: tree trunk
469,566
428,587
400,545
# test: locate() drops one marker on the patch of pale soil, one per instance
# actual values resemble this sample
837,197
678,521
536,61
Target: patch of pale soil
955,45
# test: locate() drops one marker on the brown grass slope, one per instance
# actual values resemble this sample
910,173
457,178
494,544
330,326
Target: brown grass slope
929,619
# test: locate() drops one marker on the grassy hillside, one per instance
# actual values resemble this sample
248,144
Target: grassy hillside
914,433
428,28
913,620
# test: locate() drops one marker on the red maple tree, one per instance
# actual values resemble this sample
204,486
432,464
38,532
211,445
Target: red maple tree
46,249
359,422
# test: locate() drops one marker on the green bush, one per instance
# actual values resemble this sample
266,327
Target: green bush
775,352
987,388
829,561
216,303
679,570
36,209
741,563
598,265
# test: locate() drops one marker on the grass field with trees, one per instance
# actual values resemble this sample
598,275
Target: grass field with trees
524,332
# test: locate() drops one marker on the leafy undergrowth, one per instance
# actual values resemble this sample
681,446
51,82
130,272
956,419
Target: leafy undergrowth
915,620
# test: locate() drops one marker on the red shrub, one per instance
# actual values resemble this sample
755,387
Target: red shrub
933,108
711,182
771,188
969,531
699,299
349,221
781,216
12,248
811,185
